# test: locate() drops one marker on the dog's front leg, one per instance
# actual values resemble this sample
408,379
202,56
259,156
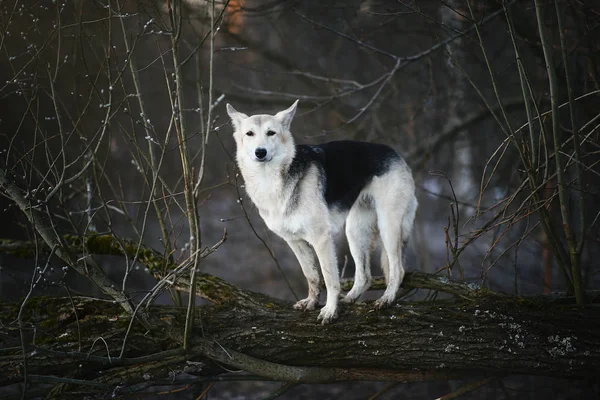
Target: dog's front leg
308,261
325,249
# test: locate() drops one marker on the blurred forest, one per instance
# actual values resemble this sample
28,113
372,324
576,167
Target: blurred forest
113,124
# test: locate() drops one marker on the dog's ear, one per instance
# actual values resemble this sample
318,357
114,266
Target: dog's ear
236,117
286,116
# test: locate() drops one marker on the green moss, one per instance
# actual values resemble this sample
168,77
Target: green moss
49,323
529,302
210,291
484,292
217,289
42,307
17,248
48,313
108,245
9,315
99,245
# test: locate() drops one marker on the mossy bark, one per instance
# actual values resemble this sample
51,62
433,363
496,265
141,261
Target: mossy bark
75,343
484,336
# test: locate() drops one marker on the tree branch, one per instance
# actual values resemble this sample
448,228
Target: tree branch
43,225
215,289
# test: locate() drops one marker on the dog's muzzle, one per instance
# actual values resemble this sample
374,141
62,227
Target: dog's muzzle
261,154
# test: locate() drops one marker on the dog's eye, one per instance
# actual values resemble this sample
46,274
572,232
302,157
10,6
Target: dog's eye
270,133
249,133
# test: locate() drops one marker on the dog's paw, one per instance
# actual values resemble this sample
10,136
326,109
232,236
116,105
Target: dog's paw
383,302
306,304
327,314
348,299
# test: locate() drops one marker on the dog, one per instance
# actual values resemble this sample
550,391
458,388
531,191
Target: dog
307,193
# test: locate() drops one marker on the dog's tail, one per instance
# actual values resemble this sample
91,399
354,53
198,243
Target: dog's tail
409,219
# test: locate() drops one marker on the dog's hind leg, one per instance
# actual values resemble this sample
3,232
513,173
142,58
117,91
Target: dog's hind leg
308,261
360,231
395,204
391,236
395,213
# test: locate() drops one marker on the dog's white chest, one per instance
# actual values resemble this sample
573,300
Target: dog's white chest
293,210
291,226
273,204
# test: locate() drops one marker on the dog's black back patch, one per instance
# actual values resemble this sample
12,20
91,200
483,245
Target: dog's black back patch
346,167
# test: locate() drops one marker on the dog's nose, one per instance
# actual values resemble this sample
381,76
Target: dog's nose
260,153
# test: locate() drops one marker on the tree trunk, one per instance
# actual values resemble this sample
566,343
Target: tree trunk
477,333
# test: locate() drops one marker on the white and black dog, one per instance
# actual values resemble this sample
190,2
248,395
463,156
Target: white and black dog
306,193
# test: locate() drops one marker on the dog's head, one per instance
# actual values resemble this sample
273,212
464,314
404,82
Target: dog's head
263,138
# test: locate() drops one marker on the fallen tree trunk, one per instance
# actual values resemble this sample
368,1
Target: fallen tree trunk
76,343
70,347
